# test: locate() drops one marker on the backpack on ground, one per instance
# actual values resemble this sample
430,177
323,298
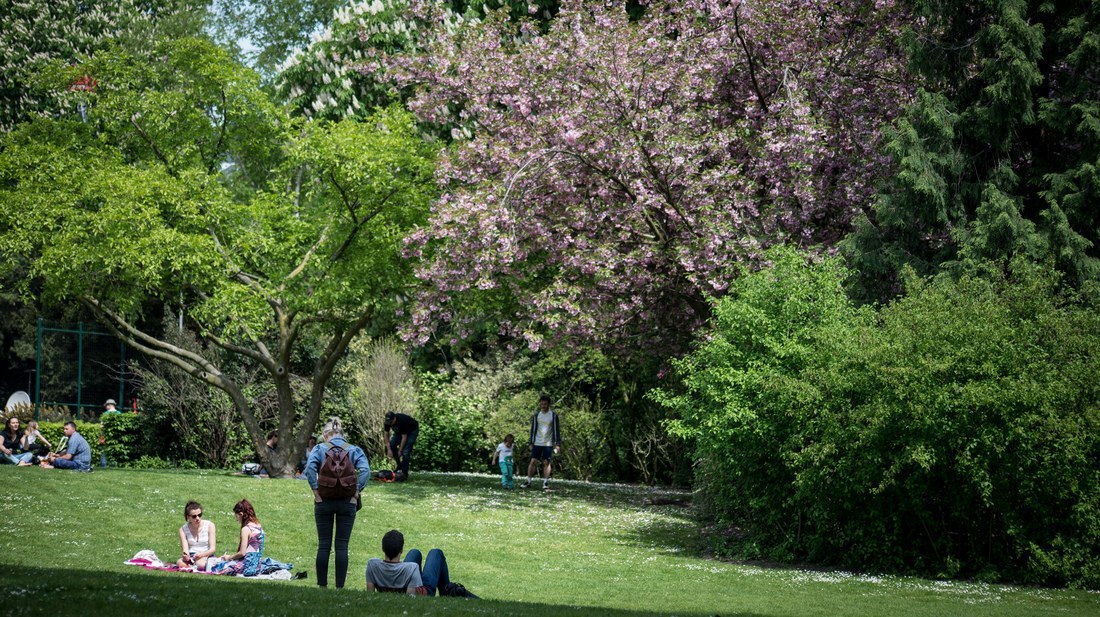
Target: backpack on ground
456,590
337,477
385,476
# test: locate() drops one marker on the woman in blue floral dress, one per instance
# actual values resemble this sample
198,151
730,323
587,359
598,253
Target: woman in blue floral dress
246,561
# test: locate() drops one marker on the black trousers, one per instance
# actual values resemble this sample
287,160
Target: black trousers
333,515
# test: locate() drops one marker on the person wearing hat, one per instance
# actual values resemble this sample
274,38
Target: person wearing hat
405,428
109,409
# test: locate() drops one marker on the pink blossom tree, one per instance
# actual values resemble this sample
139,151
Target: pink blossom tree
610,176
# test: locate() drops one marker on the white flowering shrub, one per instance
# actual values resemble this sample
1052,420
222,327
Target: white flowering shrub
342,72
36,32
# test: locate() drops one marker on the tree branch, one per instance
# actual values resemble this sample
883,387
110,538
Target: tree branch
221,138
749,58
153,145
309,253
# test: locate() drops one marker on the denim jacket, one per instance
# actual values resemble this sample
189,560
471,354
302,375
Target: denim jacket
358,458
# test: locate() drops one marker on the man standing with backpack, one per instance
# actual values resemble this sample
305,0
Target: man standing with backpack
337,472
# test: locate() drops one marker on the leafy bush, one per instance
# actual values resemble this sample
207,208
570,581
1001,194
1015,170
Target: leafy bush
452,434
380,381
149,462
953,433
125,437
186,419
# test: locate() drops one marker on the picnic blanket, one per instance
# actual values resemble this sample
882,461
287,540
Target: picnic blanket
270,569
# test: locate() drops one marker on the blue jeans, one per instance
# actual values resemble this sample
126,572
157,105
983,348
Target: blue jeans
405,455
329,514
64,463
15,459
434,573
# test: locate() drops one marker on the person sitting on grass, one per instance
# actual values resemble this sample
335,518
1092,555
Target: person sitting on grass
394,575
31,441
198,537
11,445
77,456
250,549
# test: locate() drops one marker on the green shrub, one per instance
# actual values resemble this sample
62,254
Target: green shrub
125,437
452,435
149,462
953,433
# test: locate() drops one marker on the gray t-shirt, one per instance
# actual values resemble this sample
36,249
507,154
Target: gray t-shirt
393,576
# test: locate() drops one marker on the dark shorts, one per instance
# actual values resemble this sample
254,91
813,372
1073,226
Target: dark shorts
542,453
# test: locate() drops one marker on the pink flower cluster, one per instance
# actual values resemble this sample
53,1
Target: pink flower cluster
612,176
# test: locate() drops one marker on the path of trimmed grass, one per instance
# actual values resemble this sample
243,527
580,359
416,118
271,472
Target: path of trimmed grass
579,549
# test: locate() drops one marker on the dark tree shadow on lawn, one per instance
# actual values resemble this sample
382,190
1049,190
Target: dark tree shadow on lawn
34,591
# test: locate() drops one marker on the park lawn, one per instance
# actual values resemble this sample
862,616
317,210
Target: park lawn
579,549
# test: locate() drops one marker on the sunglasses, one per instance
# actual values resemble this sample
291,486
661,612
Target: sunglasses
199,515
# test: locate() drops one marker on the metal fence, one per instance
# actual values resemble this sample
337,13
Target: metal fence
79,368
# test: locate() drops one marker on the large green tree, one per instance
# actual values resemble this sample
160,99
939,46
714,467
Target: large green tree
279,241
1000,152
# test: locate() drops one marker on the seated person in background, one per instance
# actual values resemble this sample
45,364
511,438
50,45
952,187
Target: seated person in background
77,456
11,445
34,442
310,445
198,538
394,575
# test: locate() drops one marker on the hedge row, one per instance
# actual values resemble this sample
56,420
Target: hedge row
953,433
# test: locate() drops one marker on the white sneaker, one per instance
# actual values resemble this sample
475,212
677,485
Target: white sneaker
526,484
545,485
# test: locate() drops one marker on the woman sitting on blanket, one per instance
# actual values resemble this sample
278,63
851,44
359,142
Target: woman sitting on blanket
246,561
197,537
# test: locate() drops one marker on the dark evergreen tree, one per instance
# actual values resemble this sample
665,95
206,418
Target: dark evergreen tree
999,152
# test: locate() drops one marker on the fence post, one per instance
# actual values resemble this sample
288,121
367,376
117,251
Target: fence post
79,369
38,369
122,373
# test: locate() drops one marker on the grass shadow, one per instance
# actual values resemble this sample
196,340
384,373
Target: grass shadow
50,591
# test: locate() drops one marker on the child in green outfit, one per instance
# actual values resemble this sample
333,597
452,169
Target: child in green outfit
504,455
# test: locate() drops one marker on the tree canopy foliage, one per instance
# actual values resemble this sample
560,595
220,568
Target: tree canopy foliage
342,73
609,175
278,241
999,154
37,32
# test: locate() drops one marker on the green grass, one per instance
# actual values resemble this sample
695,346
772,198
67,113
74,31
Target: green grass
578,550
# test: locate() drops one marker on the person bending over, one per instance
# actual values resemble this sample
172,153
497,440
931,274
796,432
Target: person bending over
400,431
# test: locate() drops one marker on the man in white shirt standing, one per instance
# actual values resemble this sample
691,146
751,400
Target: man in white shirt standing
545,441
